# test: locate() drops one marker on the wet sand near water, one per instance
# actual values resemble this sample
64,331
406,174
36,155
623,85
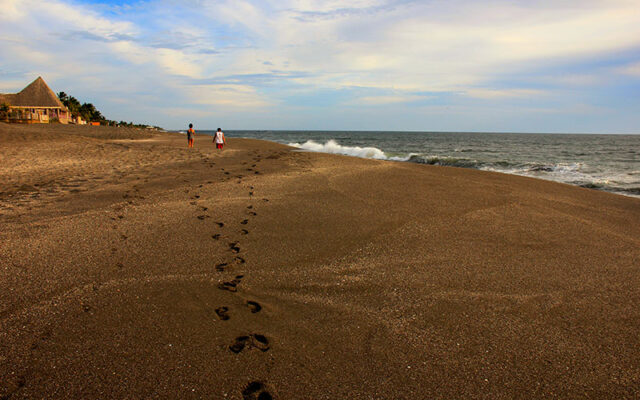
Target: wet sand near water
133,267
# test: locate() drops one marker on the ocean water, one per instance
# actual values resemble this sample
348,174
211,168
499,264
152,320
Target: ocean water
603,162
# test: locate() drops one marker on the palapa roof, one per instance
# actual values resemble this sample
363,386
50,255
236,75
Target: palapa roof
37,94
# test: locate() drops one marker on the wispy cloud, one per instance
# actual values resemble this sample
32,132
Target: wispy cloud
385,100
503,93
630,69
86,35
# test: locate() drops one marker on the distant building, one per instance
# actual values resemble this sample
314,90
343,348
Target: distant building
35,104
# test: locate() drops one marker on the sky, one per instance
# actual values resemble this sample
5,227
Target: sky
430,65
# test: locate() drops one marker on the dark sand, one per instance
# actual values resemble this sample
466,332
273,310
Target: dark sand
348,278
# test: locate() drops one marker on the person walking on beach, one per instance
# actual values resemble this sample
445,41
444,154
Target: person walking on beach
190,134
219,139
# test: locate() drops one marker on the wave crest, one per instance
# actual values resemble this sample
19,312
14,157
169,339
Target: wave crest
334,147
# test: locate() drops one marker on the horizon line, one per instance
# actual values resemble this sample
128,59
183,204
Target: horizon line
407,131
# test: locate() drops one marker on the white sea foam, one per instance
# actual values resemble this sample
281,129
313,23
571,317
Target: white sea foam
577,173
334,147
562,172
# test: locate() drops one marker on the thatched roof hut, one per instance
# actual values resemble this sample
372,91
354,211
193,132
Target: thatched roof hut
36,95
36,103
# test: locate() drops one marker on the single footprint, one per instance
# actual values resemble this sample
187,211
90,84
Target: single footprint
234,247
220,224
221,266
204,208
256,340
193,203
244,232
244,222
249,207
239,260
253,213
254,307
260,342
216,236
239,344
251,193
222,313
265,199
201,217
230,285
256,391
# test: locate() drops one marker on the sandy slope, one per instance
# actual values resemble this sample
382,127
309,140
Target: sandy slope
353,278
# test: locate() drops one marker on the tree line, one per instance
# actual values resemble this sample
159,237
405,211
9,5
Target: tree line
90,113
87,111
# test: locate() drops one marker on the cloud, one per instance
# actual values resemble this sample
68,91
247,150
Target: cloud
227,96
12,10
632,69
86,35
208,51
577,79
334,10
256,79
503,93
391,99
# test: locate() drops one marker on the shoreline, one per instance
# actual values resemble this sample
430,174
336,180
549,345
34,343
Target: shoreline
567,171
137,268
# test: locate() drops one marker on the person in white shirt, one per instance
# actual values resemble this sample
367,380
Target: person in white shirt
219,139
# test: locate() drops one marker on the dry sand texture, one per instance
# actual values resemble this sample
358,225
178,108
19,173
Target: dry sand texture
142,269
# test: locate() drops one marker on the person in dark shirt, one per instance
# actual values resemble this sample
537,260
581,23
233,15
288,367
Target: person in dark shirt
190,134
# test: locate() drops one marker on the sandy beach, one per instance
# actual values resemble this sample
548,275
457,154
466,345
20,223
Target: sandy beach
134,267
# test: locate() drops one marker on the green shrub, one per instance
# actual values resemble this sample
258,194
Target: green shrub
4,110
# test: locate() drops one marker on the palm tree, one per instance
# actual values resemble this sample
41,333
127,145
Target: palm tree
64,98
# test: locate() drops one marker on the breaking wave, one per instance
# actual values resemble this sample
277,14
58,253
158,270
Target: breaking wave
333,147
571,173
